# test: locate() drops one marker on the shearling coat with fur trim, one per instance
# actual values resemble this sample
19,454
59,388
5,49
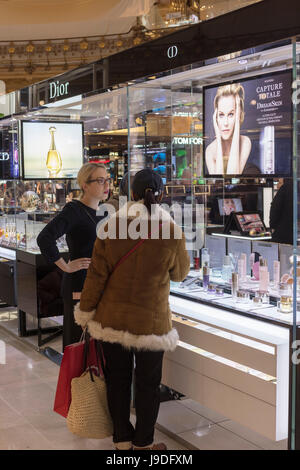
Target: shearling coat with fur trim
130,305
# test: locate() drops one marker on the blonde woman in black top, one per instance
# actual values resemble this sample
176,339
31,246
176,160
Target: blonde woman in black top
78,221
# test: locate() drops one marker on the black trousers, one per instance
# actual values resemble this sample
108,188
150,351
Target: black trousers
148,370
71,331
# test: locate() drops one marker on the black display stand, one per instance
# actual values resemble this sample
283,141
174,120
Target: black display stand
30,268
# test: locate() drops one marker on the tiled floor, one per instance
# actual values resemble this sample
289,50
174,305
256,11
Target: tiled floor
27,388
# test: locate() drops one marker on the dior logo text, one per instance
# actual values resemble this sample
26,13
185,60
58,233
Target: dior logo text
172,52
58,89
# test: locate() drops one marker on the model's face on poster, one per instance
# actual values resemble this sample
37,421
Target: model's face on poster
226,116
228,206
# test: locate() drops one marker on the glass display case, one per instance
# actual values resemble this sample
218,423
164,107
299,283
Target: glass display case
223,135
25,208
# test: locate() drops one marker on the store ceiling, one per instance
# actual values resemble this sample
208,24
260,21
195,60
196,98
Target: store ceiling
54,19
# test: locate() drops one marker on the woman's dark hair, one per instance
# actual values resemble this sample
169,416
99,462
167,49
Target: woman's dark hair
124,184
147,185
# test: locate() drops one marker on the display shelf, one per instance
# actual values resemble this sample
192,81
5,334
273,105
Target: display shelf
240,237
232,364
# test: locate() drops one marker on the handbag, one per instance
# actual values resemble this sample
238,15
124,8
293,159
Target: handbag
88,414
74,362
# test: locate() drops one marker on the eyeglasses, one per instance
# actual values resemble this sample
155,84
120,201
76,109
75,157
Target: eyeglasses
100,181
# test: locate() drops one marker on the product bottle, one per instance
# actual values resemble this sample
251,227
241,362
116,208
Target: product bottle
240,269
53,163
264,277
204,257
235,284
205,276
276,272
226,269
244,266
252,261
196,260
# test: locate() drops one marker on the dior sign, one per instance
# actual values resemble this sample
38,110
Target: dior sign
58,89
172,52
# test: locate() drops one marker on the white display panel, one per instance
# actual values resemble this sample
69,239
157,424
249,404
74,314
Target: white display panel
240,246
217,250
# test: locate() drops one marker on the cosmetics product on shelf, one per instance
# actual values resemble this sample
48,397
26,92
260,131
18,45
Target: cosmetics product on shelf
219,291
205,257
240,269
226,269
234,284
285,305
242,296
263,296
196,260
251,261
276,272
257,300
264,277
211,289
255,270
244,266
205,276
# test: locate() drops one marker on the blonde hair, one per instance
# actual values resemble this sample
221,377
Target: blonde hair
235,89
86,172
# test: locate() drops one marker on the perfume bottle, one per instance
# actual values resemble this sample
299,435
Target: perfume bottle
53,163
204,257
205,276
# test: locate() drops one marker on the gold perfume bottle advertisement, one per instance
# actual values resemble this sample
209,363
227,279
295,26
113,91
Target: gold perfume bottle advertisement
53,163
52,149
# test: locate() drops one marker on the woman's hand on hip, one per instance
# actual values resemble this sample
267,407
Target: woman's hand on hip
78,264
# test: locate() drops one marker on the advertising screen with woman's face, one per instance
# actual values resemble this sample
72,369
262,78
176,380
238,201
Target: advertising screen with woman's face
248,127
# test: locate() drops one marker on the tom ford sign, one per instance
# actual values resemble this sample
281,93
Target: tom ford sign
187,140
58,89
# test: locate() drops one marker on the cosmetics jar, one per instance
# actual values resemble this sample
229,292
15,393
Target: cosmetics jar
219,291
285,305
242,296
211,289
257,300
264,295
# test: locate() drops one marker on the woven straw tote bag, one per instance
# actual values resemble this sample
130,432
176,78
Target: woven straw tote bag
88,415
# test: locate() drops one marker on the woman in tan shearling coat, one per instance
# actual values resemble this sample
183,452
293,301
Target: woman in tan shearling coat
128,309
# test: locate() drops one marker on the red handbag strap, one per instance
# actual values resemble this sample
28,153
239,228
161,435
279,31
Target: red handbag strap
131,251
128,254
